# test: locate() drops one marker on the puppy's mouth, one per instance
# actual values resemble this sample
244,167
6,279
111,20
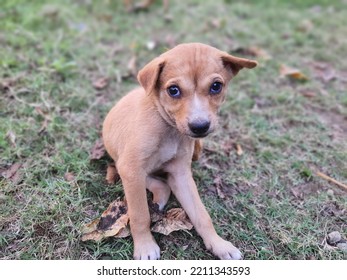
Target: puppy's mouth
197,136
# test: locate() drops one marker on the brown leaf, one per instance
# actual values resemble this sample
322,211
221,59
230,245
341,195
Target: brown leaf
98,150
13,173
253,51
90,227
113,222
260,53
115,210
90,232
175,219
308,93
324,71
101,83
286,71
123,232
68,176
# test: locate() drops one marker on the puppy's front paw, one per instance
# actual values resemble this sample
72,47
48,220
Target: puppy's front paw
225,250
147,251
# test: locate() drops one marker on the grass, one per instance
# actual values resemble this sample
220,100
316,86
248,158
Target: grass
270,203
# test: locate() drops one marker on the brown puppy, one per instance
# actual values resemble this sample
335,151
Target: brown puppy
153,131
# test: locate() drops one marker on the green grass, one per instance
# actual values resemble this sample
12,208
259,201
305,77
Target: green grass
274,206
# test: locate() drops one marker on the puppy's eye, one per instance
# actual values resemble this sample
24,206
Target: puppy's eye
216,88
174,91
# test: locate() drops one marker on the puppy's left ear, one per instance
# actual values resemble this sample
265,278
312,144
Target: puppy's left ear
149,75
234,64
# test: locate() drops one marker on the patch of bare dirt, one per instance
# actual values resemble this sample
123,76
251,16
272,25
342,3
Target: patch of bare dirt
307,189
335,123
44,229
333,209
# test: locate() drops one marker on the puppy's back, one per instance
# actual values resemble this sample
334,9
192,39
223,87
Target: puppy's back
118,122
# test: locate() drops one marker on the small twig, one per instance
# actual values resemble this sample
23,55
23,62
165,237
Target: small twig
326,177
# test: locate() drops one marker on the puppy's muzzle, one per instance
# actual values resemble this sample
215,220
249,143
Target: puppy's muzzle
199,128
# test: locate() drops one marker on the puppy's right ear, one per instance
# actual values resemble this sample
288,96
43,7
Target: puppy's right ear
149,75
234,64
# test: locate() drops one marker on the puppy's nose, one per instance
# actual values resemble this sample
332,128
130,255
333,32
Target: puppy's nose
199,127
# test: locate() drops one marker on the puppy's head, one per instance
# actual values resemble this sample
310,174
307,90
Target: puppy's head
188,84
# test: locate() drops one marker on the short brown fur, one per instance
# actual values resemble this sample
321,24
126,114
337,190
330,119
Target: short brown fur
150,132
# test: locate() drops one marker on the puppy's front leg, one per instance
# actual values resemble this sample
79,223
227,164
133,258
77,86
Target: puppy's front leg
183,186
134,183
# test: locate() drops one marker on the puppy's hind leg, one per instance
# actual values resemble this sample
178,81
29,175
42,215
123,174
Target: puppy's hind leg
160,190
112,175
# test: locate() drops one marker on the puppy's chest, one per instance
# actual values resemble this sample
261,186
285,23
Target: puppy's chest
168,149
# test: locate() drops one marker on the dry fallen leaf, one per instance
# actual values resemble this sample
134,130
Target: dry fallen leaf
324,71
68,176
308,93
175,219
253,51
260,53
13,173
101,83
113,222
98,150
286,71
